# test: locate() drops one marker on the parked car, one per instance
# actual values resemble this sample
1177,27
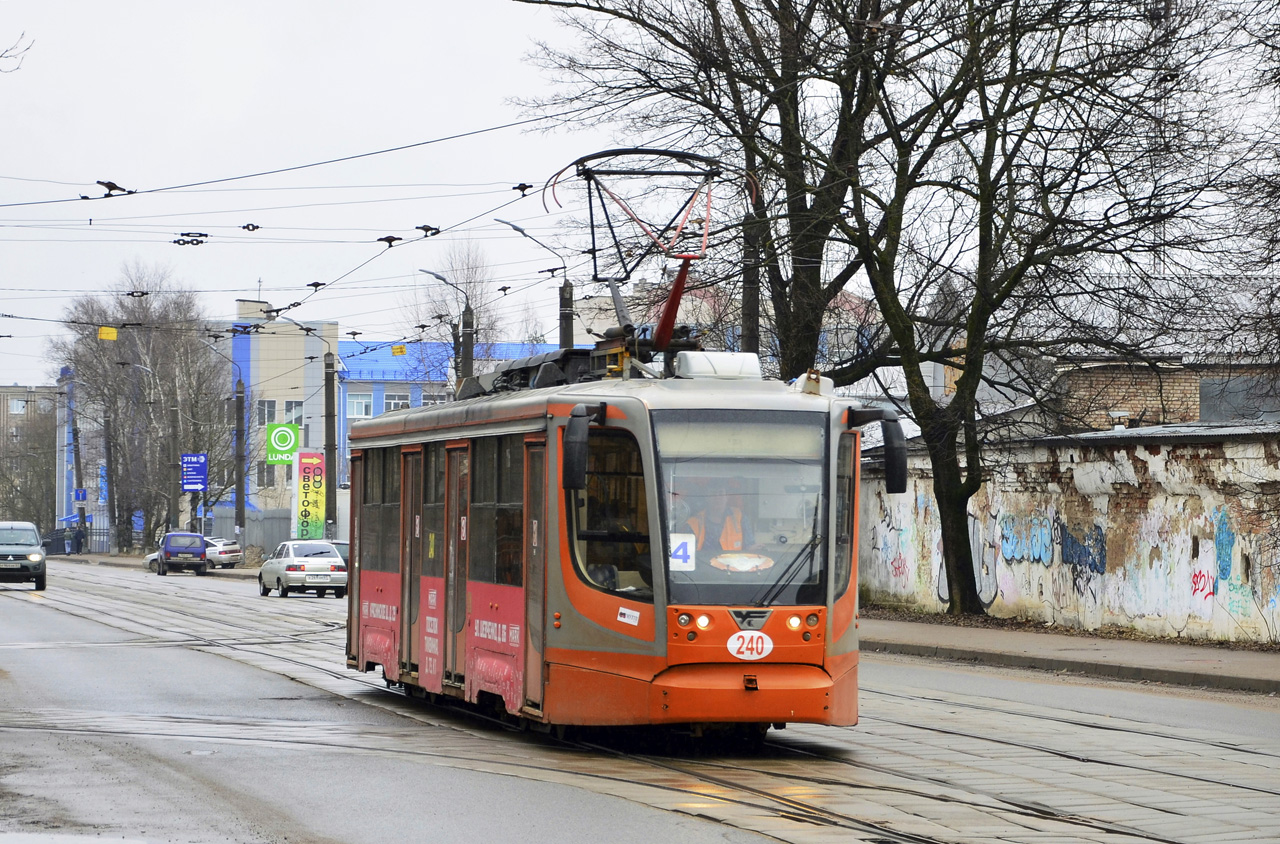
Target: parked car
21,554
223,553
179,550
303,565
343,549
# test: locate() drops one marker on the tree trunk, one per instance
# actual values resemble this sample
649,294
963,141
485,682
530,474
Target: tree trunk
953,518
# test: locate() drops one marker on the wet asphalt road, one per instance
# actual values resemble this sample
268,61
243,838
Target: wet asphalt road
110,734
134,707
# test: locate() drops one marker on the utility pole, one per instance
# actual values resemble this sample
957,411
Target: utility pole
240,457
175,483
113,540
330,447
75,450
750,284
468,339
566,315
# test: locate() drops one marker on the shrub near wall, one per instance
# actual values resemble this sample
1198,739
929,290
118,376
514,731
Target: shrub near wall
1168,535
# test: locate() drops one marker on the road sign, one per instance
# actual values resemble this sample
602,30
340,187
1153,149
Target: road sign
82,495
282,443
195,472
309,513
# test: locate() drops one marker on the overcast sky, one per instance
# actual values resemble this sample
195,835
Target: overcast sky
152,95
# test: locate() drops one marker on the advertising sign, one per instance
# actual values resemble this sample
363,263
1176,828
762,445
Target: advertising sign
195,472
282,443
102,483
309,495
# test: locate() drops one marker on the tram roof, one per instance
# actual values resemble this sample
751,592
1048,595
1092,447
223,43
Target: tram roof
527,409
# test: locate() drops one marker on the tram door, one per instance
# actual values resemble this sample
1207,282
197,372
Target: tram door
353,565
535,580
411,562
457,512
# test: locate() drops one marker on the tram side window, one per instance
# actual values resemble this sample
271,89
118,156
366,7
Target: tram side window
389,546
610,519
510,511
484,493
497,489
433,510
846,508
380,512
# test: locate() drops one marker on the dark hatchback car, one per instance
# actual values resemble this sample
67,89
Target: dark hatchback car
179,551
21,555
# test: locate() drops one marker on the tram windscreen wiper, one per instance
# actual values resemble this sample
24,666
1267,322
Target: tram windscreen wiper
802,557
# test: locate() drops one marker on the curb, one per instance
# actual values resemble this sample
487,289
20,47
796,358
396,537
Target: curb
1107,671
237,573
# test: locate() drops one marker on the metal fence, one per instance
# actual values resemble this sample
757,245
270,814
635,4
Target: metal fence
264,529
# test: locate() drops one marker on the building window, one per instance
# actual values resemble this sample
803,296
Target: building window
266,474
17,406
359,405
395,401
293,413
433,398
266,412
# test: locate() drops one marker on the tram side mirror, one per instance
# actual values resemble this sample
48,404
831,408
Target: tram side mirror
895,454
895,444
573,470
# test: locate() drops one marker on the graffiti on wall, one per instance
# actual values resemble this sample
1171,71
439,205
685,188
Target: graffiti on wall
1027,538
1224,542
1157,552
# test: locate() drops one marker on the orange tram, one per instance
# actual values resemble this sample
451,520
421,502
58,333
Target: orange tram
581,540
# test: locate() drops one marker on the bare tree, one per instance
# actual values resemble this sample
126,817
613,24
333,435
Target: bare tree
1008,182
159,360
434,310
29,461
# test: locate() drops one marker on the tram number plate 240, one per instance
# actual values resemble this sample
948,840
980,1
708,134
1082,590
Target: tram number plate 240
749,644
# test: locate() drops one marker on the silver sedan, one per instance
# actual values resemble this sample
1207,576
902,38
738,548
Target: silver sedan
304,565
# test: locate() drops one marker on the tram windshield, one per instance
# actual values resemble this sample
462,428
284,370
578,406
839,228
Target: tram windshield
743,494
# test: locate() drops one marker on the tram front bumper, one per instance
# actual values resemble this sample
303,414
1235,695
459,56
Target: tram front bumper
752,693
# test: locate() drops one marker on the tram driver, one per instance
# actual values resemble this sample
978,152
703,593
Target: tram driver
720,525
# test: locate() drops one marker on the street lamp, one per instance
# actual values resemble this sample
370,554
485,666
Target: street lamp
462,352
240,446
566,288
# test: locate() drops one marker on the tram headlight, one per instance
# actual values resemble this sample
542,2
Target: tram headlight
812,619
794,622
704,621
684,619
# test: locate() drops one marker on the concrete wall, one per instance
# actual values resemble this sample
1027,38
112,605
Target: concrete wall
1171,539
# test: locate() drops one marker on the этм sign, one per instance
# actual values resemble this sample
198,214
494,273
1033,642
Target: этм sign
195,472
311,491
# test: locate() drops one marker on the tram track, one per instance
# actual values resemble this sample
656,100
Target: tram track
1091,724
861,797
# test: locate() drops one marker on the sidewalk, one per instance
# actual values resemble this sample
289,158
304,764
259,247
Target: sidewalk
124,561
1117,659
